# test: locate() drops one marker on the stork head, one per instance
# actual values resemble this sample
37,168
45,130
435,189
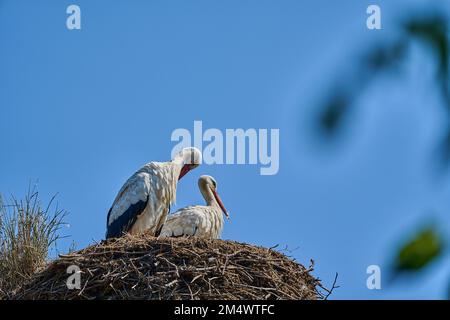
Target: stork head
208,185
189,158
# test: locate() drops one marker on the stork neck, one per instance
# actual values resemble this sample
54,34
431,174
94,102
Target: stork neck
209,196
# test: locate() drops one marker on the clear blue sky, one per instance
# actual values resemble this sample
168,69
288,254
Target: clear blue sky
81,110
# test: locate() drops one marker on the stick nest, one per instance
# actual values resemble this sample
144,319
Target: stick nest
143,267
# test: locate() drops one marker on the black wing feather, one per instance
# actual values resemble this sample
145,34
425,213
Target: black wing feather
126,220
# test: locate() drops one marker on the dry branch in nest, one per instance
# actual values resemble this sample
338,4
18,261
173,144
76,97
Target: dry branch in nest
143,267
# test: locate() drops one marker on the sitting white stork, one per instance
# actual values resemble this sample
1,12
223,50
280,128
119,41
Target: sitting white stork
144,200
199,221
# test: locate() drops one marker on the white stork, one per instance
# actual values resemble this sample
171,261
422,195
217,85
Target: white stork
144,200
199,221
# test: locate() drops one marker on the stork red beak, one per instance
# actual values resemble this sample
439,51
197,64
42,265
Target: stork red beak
219,201
185,169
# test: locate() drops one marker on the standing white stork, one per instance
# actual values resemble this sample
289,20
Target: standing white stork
199,221
144,200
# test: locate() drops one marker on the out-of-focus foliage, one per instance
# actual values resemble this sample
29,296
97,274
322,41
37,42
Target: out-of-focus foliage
431,31
448,291
384,57
338,105
419,252
333,113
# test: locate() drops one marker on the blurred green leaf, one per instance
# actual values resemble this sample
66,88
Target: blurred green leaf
333,113
444,148
379,58
383,57
419,252
433,31
448,291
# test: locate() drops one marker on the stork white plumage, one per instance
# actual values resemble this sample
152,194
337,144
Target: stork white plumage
144,200
199,221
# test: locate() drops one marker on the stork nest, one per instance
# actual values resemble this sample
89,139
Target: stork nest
143,267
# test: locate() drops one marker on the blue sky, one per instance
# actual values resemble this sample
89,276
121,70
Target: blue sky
81,110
